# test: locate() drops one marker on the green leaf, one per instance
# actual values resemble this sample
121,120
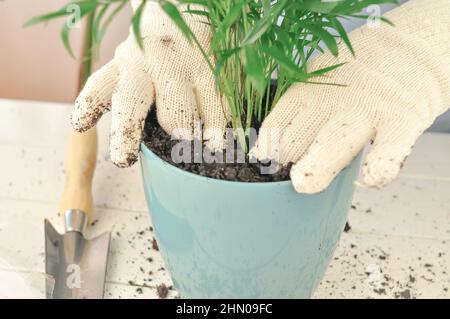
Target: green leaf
45,18
222,58
202,3
203,13
342,33
85,7
326,37
233,14
262,25
136,24
172,11
325,70
318,6
254,68
285,61
65,32
96,33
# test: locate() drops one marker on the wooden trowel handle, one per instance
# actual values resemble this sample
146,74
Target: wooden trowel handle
81,157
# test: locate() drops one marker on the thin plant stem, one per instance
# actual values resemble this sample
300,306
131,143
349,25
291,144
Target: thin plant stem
87,52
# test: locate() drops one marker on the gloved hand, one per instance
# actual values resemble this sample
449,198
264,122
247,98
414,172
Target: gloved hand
170,71
396,86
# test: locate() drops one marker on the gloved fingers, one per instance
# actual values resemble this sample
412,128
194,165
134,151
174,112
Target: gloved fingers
336,145
95,98
213,111
301,132
130,105
392,146
176,109
289,105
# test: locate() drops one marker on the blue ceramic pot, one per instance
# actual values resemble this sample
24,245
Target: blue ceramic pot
222,239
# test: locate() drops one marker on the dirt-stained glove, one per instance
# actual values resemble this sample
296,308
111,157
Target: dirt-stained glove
170,71
396,86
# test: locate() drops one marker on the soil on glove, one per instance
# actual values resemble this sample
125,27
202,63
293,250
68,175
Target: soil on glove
157,140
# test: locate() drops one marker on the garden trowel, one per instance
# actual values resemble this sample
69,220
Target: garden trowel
76,266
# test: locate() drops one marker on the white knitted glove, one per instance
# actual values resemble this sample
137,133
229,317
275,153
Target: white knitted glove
396,86
170,71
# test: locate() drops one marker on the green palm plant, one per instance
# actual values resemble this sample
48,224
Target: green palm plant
252,40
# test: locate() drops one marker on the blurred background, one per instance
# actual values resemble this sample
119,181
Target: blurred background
34,65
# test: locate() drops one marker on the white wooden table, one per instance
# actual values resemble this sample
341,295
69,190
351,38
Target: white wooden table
398,245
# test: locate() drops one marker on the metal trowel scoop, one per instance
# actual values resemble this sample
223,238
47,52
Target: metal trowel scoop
76,265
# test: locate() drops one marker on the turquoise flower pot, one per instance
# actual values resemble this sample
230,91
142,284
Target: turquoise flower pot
222,239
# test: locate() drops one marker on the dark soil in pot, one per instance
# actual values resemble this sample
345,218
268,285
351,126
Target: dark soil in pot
159,142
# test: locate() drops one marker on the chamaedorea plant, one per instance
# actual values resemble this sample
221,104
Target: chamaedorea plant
253,42
257,40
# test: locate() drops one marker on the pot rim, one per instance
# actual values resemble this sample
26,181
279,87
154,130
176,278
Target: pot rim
150,154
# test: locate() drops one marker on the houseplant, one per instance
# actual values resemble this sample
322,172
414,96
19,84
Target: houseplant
272,242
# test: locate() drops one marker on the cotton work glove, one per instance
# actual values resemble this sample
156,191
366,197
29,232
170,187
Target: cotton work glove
170,71
395,87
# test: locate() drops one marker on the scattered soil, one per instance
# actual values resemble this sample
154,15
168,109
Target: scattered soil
347,227
162,291
380,291
157,140
405,294
155,244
